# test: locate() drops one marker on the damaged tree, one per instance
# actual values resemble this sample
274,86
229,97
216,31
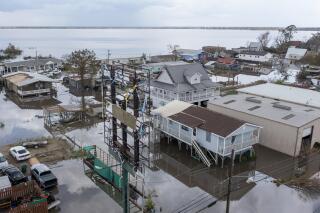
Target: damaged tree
83,62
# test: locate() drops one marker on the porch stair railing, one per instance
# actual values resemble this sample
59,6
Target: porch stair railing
199,151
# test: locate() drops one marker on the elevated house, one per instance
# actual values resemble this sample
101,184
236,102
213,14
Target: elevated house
255,46
189,55
29,86
213,52
254,56
295,54
31,65
189,83
227,63
157,67
204,130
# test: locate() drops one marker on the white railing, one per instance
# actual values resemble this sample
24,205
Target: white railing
240,145
169,96
32,92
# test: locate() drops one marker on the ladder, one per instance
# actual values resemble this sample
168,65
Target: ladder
199,151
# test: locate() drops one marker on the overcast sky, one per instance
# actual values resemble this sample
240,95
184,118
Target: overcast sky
302,13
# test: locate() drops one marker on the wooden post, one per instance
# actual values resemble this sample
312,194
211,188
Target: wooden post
230,171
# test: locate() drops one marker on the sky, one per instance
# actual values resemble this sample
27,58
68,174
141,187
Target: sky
255,13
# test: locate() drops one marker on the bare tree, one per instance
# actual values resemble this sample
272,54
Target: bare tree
264,39
314,42
82,62
284,37
173,49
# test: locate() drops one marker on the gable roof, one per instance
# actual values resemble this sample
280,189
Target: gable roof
296,51
202,118
178,74
25,78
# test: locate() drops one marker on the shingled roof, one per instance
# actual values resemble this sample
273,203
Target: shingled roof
178,74
207,120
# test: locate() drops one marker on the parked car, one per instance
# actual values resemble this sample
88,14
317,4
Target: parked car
3,161
14,174
20,153
4,182
43,175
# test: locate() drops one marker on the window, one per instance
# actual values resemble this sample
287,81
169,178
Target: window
208,136
194,132
170,122
184,128
164,92
160,90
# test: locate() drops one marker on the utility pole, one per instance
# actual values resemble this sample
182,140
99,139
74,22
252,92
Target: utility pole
230,173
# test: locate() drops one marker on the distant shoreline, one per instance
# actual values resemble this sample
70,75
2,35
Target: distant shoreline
164,27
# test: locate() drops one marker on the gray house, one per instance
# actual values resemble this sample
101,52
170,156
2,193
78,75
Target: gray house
189,83
30,65
199,127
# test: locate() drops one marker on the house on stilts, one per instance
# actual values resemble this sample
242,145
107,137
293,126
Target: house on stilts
208,134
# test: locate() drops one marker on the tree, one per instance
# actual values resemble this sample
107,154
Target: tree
314,42
82,62
284,37
301,76
11,52
264,39
173,49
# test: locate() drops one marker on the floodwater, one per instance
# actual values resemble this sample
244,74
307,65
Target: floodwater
177,182
78,193
125,42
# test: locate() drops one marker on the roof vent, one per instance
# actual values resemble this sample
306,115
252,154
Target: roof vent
280,106
254,108
253,99
229,102
287,117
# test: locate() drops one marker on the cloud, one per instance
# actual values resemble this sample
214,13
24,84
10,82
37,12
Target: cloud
159,12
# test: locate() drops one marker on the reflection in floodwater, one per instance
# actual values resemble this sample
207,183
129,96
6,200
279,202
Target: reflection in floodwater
78,193
178,182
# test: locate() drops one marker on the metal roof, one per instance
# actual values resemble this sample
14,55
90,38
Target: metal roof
267,108
295,51
285,93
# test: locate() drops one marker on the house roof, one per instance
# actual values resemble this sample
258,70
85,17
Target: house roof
25,78
226,60
255,45
33,62
285,93
260,53
178,74
296,51
202,118
262,107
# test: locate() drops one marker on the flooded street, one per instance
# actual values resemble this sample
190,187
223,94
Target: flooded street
176,182
19,123
78,193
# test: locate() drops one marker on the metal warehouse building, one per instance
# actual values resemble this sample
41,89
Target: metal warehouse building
289,116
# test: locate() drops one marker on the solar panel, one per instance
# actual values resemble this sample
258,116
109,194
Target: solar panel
228,102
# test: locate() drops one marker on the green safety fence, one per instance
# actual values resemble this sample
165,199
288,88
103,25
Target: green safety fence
107,172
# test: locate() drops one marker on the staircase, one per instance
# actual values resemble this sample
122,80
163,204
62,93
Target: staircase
200,153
